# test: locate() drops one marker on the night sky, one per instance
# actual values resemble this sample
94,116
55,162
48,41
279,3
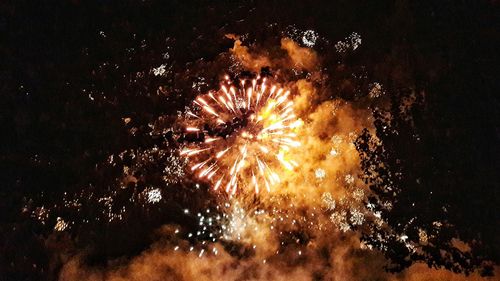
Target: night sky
394,175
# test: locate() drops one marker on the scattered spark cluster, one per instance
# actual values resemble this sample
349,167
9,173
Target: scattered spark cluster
175,169
352,42
251,227
61,225
230,222
376,90
153,195
41,214
242,132
160,70
111,214
328,201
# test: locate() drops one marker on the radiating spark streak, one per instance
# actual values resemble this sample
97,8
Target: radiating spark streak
229,105
284,162
235,186
273,177
190,152
199,165
249,94
233,168
208,170
267,185
210,110
211,95
254,180
274,126
202,101
276,133
270,105
264,149
284,147
287,141
233,92
192,129
260,93
261,166
218,183
221,153
285,113
209,140
230,101
273,89
287,106
212,173
224,89
278,93
192,114
288,118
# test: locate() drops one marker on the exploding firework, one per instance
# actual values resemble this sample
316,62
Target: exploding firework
241,134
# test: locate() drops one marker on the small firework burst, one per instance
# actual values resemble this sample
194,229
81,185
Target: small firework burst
309,38
328,201
320,174
153,195
357,217
358,194
334,152
340,220
349,179
61,225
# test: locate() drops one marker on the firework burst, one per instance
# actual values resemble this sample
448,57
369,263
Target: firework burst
242,134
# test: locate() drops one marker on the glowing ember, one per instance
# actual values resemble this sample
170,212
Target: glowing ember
245,131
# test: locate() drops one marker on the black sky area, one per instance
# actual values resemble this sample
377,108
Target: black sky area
53,137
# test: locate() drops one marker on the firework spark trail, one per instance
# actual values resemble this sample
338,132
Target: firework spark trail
247,129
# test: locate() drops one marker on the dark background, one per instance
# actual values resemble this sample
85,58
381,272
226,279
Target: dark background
53,137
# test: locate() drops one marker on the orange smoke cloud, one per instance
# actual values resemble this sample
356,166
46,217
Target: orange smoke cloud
300,57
